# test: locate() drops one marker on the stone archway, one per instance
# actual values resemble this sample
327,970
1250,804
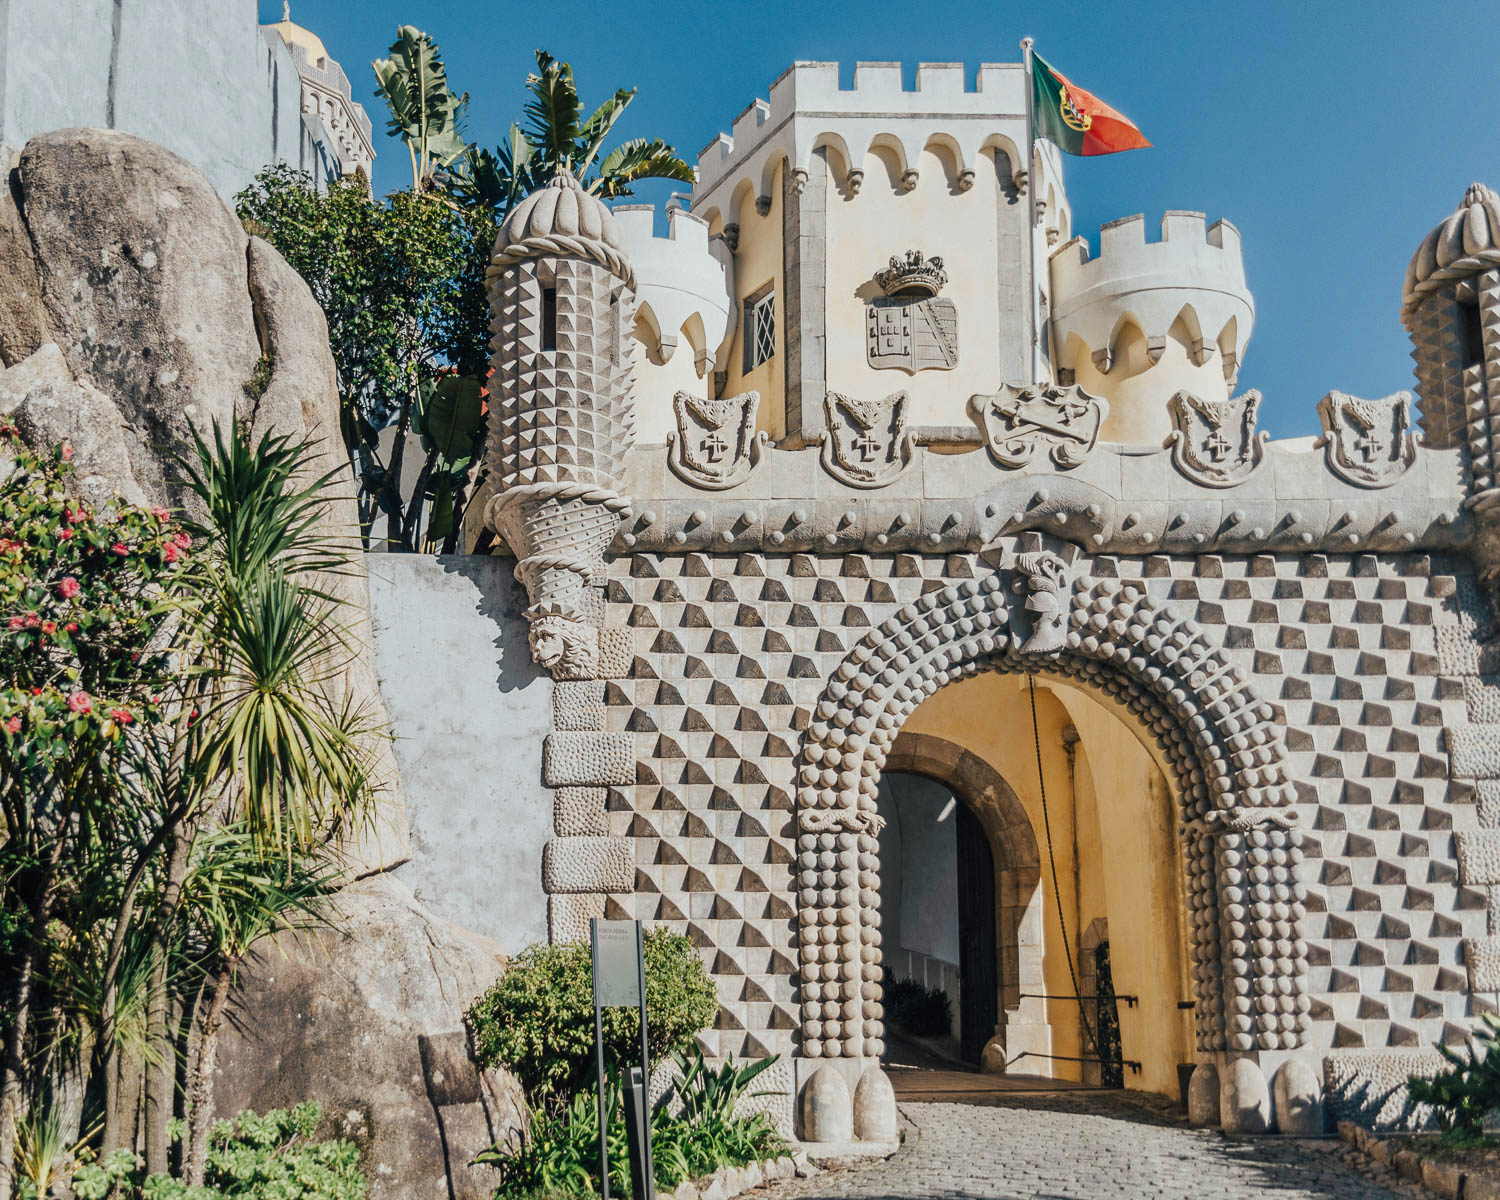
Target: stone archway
1217,740
1018,872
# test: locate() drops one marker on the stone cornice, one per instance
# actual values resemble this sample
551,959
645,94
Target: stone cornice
1123,500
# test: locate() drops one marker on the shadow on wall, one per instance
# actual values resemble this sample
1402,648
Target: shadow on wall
504,601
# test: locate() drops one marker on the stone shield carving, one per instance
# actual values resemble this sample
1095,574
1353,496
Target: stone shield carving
866,444
911,334
1214,442
1369,443
1018,422
715,445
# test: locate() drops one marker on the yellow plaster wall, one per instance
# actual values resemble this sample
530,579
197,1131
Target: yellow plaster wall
1114,841
936,218
1129,863
758,261
990,716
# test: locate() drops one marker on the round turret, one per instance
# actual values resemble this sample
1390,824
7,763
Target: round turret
1450,304
562,219
1466,244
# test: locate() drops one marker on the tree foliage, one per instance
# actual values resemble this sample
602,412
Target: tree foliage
425,113
175,763
401,283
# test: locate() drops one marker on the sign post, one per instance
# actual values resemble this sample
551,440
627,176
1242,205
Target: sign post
619,962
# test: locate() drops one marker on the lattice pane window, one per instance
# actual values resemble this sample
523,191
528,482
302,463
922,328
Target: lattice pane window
760,328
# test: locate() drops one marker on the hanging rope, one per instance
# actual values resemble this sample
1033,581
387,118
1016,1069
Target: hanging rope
1036,740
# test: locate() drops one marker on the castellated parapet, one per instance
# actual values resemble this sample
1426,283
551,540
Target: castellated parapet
684,290
1115,318
807,109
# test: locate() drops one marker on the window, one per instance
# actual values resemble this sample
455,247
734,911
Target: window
1471,331
760,328
549,318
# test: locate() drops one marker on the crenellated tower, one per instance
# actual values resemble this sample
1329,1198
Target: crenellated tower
562,295
1146,320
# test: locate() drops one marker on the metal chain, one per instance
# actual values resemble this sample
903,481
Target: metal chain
1036,740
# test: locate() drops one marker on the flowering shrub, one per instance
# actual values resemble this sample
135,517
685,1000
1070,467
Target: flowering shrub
82,613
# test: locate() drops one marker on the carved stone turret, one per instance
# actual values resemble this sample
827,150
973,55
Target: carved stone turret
1451,308
562,295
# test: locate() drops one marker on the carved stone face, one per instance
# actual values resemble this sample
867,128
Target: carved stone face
568,649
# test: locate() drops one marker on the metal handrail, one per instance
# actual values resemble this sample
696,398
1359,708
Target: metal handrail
1135,1067
1130,1001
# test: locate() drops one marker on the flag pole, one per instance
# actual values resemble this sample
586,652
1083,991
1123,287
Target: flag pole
1031,188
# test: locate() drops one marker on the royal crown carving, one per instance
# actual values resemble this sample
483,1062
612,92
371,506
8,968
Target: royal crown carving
912,274
1019,422
1369,443
911,328
866,443
715,445
1214,442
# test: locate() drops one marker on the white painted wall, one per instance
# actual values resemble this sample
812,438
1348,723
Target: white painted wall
469,710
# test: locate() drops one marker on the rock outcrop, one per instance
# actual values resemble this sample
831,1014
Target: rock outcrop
374,1003
133,309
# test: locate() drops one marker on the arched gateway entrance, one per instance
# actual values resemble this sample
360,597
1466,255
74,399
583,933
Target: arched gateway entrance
1214,738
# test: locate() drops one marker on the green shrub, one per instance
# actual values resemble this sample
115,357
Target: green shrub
917,1010
538,1019
1469,1090
250,1158
561,1157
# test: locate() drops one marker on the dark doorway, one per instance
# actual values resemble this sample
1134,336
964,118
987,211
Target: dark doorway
979,1005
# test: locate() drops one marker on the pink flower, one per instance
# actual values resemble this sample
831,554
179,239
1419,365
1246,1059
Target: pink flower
13,725
71,626
68,587
80,702
67,452
170,552
122,715
65,534
183,539
49,626
16,622
121,549
76,516
160,514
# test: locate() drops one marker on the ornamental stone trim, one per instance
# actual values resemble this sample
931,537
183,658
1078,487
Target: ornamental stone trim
588,864
1478,854
1482,958
575,759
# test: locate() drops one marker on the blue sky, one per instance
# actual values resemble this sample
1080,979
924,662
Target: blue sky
1335,135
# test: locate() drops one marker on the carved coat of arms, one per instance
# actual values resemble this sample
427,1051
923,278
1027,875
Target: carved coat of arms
1369,443
1018,422
715,445
1214,442
866,444
911,328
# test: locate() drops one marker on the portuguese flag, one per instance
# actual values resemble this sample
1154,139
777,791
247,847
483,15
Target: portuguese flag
1078,122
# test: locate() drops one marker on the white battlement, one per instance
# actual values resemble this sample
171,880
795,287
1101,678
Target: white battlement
679,277
807,108
1195,271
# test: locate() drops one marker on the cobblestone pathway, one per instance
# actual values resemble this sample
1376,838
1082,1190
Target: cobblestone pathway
1093,1145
